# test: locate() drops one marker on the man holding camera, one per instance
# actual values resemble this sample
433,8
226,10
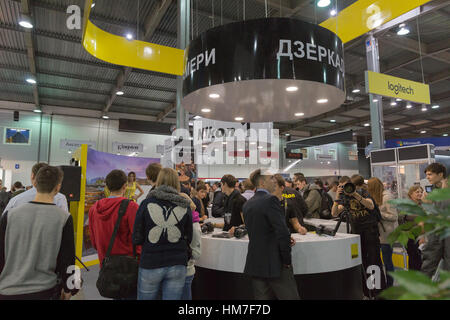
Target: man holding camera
352,199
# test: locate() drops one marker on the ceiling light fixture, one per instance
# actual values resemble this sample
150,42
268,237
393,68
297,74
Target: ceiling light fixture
238,118
31,81
299,114
445,135
424,108
403,31
92,5
197,117
375,100
105,117
333,121
356,90
206,110
25,22
333,12
398,99
322,101
323,3
120,93
435,106
291,89
396,129
129,36
214,96
408,106
37,110
366,124
393,103
423,131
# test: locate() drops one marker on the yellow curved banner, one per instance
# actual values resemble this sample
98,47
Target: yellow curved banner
365,15
131,53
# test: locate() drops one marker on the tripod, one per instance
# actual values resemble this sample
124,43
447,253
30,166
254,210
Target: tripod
344,215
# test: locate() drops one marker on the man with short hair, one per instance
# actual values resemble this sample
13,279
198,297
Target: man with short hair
234,202
436,249
152,172
312,196
218,209
27,196
249,189
333,190
18,188
103,217
269,261
37,245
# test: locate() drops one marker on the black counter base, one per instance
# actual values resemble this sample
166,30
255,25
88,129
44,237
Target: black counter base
220,285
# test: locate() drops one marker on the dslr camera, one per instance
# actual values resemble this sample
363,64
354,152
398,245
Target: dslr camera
240,232
207,227
345,198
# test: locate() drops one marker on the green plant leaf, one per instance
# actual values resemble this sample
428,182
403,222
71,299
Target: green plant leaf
439,195
412,296
415,282
393,293
403,238
431,208
416,231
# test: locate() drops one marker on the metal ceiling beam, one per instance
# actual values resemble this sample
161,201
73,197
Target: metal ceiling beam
151,23
163,114
285,5
25,9
387,112
423,126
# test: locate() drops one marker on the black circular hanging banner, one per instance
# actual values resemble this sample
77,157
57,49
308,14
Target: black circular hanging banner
275,69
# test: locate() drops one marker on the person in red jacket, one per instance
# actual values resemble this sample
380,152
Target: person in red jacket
103,216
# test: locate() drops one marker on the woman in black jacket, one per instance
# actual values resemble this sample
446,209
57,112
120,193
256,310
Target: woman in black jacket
163,227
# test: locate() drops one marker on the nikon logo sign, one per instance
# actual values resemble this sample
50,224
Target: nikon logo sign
388,86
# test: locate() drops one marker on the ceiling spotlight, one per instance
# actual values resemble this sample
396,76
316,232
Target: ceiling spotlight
408,106
398,99
323,3
393,103
105,117
424,108
423,131
260,147
206,110
129,36
375,100
445,135
403,31
333,13
435,106
37,110
287,134
291,89
92,5
25,22
370,142
253,143
120,93
322,101
238,118
214,96
356,90
31,81
333,121
299,114
396,129
366,124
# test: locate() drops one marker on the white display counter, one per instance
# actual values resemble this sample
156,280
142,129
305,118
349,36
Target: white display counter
325,267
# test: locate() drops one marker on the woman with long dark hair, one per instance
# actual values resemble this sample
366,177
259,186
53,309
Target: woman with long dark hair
132,185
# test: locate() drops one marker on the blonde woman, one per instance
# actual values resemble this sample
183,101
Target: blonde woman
164,228
415,194
389,222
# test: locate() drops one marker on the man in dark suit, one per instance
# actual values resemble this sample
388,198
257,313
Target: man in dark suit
269,250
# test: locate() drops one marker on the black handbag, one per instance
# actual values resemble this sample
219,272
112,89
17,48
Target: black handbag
118,276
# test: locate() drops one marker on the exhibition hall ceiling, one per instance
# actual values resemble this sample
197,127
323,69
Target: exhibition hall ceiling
70,78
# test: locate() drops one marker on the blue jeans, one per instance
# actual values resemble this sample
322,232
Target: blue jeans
169,279
187,292
386,251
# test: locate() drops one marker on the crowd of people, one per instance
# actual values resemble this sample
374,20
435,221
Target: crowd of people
164,230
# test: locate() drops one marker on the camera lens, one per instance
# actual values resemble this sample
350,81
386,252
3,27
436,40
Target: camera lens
349,187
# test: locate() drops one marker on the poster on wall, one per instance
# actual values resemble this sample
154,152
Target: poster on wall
17,136
99,164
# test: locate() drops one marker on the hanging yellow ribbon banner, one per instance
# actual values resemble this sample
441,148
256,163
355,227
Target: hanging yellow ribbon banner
365,15
131,53
352,22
